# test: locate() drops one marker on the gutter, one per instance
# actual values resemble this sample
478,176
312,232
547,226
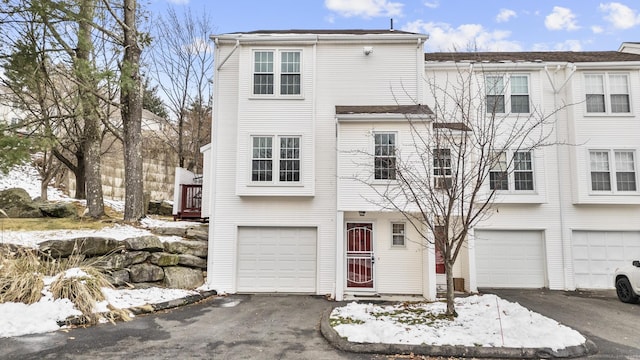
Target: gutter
215,40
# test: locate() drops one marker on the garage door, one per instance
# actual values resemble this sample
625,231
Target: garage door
597,254
510,259
274,259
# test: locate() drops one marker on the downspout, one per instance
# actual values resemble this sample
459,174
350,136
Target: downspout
561,203
228,55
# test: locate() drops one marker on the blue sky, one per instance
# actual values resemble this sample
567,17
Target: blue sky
492,25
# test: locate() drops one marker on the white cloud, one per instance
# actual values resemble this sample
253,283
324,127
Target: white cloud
620,15
178,2
444,37
567,45
432,4
596,29
561,19
364,8
505,15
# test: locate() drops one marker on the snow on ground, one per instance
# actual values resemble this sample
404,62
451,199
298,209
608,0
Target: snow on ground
484,320
26,177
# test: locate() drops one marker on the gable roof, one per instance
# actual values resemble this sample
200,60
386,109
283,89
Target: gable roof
531,56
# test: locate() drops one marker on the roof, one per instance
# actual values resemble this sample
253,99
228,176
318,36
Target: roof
452,126
384,109
326,31
533,56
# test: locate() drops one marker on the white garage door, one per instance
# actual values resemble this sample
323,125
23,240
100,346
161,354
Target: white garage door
276,259
597,254
510,259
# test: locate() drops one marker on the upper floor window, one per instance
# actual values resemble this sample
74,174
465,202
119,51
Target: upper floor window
276,70
499,88
520,178
606,173
284,160
441,168
607,93
384,167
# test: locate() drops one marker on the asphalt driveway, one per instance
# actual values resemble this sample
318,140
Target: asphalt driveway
234,327
599,315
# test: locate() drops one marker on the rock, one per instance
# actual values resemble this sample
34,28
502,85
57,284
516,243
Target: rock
145,273
178,277
169,231
118,277
89,246
137,257
114,261
160,207
192,261
59,210
196,248
198,233
17,203
164,259
147,243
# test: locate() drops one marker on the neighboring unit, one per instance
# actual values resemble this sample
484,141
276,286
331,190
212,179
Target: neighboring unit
309,123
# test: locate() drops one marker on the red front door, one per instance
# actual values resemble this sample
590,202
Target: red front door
441,237
359,255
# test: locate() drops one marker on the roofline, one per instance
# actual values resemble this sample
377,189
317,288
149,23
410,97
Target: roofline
315,37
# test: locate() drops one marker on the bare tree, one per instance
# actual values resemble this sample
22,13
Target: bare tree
181,64
459,155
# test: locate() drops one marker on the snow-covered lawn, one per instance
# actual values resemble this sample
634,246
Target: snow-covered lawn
483,320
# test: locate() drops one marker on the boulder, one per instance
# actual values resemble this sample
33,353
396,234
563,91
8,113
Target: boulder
195,248
192,261
137,257
178,277
17,203
146,243
59,210
164,259
118,277
160,207
114,261
169,231
198,233
145,273
89,246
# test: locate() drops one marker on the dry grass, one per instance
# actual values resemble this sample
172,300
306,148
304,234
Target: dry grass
21,276
84,290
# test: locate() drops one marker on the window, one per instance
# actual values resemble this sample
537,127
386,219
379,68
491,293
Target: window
442,168
397,234
602,169
289,159
520,178
385,156
265,77
517,92
263,161
607,93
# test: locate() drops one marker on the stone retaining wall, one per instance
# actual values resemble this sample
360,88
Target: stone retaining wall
142,261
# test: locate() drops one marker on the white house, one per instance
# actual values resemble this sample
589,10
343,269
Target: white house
296,111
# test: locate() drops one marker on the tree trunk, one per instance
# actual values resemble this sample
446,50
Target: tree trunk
131,101
448,267
89,107
78,171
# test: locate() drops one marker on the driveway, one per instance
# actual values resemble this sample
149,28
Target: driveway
234,327
599,315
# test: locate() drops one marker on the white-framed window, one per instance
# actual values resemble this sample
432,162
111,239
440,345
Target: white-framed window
277,72
275,154
607,93
613,170
442,168
384,162
514,87
511,171
398,237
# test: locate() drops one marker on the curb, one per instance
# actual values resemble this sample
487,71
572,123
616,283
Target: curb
148,308
588,348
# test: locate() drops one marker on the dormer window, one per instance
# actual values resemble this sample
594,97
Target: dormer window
276,72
